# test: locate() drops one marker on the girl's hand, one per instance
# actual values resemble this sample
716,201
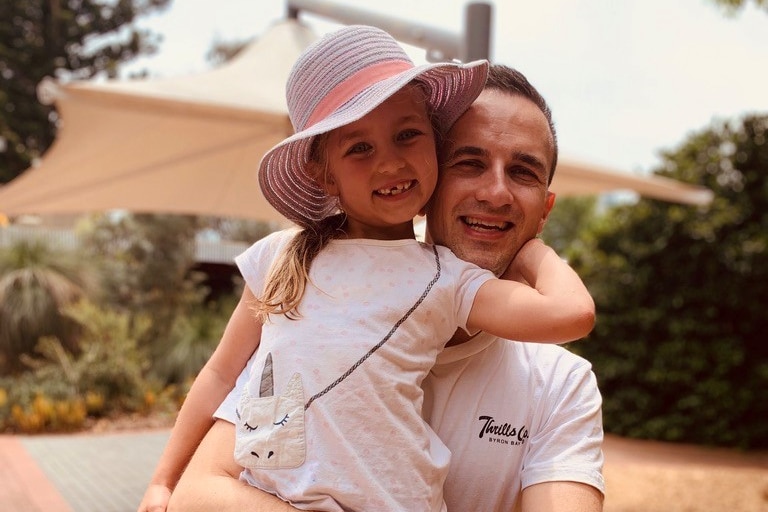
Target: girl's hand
526,261
155,499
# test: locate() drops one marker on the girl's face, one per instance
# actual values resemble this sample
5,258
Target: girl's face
383,167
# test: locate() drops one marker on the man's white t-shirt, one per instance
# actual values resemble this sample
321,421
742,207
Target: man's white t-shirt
513,415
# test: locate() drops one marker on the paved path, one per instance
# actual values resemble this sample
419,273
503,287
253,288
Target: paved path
108,473
77,472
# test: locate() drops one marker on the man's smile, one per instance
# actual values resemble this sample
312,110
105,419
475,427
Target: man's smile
480,224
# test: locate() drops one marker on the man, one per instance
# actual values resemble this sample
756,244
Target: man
522,420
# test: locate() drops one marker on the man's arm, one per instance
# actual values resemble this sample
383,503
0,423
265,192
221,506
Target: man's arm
561,497
210,482
570,439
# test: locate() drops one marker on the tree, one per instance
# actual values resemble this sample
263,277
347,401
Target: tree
679,347
732,6
62,39
568,222
36,284
144,261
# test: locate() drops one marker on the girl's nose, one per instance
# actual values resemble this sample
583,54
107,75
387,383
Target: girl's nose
390,161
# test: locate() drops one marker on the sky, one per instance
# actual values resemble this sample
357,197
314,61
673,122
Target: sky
625,79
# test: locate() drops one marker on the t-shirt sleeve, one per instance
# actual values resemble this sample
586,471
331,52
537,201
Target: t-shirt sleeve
254,265
567,445
256,262
468,278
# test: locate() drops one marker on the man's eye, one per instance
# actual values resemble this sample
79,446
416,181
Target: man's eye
468,163
524,174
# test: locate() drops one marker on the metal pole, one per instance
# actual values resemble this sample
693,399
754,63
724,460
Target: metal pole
440,44
477,32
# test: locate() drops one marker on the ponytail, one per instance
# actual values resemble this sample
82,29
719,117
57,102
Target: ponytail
288,277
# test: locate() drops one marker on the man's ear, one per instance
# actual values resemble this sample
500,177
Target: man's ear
549,202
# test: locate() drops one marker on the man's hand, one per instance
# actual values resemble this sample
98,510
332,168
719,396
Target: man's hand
155,499
210,482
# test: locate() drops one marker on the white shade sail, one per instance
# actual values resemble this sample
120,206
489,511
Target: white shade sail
191,145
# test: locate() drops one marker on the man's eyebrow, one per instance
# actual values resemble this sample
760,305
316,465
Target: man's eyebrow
531,160
467,151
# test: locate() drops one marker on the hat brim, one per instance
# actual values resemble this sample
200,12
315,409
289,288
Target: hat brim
283,175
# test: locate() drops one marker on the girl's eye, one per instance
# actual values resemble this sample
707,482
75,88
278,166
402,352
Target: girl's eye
360,147
408,134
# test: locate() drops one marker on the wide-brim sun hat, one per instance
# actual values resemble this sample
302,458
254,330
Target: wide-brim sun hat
336,81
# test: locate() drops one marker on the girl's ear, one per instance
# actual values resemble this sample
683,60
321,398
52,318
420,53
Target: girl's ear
325,178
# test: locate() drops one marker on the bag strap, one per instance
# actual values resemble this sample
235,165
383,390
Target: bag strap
386,338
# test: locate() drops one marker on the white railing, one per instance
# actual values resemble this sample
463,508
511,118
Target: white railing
206,251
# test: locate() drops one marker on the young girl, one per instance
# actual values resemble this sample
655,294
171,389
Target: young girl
351,311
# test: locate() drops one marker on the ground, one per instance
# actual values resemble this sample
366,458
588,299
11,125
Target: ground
652,476
130,421
641,476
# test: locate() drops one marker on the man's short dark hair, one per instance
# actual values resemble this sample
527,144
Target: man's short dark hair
511,81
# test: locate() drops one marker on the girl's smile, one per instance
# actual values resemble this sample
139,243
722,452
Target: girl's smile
397,189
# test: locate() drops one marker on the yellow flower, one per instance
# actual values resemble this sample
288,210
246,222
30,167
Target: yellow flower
94,402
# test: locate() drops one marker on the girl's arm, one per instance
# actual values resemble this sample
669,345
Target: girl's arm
211,482
240,339
555,308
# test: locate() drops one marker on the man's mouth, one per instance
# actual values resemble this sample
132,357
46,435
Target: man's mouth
486,225
396,189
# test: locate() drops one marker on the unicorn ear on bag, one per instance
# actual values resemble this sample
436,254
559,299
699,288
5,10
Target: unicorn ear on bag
338,80
267,387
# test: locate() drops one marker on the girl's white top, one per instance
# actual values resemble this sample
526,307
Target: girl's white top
361,444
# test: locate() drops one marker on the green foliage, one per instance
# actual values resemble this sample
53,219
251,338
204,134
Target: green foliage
144,261
569,219
62,38
106,374
193,339
224,51
733,6
239,230
679,346
36,283
109,362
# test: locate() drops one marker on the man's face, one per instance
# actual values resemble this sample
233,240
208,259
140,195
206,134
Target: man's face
492,195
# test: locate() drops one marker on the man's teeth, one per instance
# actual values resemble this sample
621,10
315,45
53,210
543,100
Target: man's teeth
397,189
477,223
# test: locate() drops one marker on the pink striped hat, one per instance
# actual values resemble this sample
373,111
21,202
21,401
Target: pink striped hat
338,80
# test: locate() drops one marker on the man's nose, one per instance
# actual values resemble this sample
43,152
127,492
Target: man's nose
494,188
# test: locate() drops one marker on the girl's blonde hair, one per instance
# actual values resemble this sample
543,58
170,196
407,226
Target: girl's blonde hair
288,277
